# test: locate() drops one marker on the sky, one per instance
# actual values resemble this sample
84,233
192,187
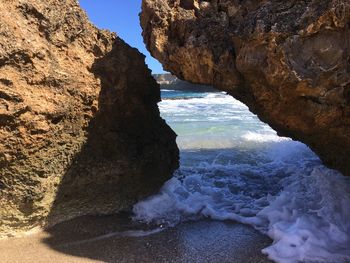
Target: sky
122,17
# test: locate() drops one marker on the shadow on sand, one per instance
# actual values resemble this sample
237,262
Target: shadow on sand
106,239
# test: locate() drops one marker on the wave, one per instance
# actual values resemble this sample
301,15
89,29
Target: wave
263,137
202,98
182,97
309,220
206,107
233,167
283,191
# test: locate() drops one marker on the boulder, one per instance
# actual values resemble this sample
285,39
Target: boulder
80,131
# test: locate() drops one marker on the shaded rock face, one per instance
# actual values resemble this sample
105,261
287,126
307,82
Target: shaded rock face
80,131
289,61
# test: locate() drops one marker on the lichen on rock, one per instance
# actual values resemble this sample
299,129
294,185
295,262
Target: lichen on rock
80,131
289,61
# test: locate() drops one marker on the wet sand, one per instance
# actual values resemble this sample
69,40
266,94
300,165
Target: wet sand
102,239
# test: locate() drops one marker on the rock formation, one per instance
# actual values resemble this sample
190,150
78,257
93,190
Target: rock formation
171,82
165,79
80,131
289,61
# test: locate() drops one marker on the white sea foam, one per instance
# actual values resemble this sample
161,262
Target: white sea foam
263,137
296,205
309,219
209,101
239,169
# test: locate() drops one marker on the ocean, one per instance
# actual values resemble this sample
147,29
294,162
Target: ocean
234,167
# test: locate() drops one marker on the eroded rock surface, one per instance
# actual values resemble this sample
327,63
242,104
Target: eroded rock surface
289,61
80,131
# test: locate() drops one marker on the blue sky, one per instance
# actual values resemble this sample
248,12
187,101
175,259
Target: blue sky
122,17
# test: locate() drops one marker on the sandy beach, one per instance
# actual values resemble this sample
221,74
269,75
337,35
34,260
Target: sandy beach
102,239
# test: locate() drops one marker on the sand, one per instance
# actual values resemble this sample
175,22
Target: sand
101,239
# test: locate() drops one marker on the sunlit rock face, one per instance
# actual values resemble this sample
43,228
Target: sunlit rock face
80,131
289,61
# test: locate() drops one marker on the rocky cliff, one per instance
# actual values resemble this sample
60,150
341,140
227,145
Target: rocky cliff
80,131
289,61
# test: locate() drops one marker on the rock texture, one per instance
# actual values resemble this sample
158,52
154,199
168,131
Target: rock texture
80,131
289,61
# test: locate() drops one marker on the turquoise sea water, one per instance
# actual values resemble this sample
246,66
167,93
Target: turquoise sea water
234,167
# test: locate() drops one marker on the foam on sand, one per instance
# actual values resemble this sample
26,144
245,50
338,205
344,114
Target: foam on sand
286,194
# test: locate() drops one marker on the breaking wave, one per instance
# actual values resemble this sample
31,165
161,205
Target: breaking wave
233,167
